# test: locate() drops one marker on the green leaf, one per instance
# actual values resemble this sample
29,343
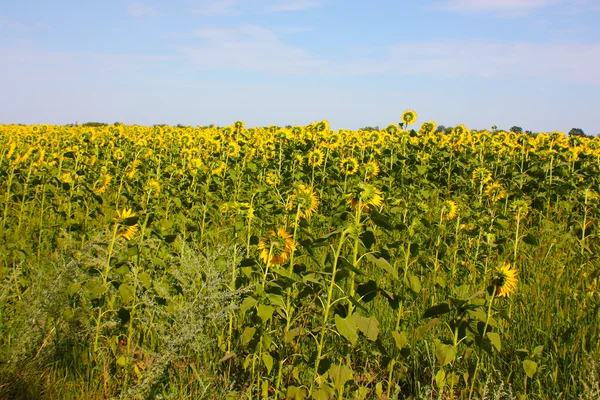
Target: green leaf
347,328
248,335
413,282
531,240
126,292
276,300
74,288
295,393
145,280
340,374
265,312
445,353
440,379
400,338
247,304
530,368
436,310
368,239
383,264
291,334
368,326
268,361
422,330
495,339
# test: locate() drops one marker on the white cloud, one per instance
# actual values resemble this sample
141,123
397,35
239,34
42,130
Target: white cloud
295,5
247,48
508,7
140,9
217,7
254,48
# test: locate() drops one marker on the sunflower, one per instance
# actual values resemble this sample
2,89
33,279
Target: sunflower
316,158
505,280
153,187
449,210
272,178
409,117
305,200
495,191
520,208
371,169
367,195
127,225
104,186
482,175
219,169
233,149
298,159
118,154
349,165
428,127
278,245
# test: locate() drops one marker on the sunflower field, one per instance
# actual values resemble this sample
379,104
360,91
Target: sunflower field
298,263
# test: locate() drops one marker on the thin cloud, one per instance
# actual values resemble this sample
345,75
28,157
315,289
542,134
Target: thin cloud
217,7
253,48
139,9
514,7
249,48
294,5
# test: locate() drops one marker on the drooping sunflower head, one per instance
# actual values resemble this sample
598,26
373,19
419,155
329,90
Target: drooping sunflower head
316,157
305,200
504,280
219,168
276,247
520,208
371,169
349,165
118,154
495,191
409,117
365,195
126,223
449,210
482,175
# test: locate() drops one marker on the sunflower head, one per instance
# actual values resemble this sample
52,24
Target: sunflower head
126,223
482,175
371,169
305,200
428,128
276,247
409,117
349,165
495,191
272,178
449,210
520,208
316,157
365,195
504,280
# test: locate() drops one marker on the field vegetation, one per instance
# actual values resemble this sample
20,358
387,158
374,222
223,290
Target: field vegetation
300,262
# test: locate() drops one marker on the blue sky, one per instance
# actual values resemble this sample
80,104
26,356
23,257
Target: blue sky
531,63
